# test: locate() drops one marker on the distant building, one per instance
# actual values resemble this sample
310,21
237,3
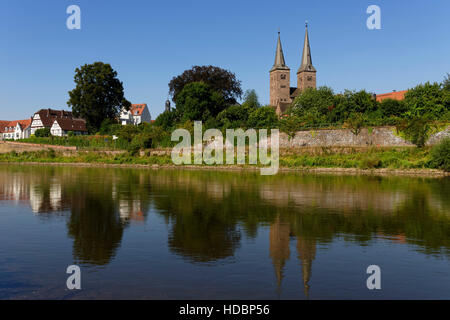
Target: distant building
19,129
65,122
137,114
395,95
281,93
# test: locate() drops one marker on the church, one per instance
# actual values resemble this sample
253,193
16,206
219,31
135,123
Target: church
281,92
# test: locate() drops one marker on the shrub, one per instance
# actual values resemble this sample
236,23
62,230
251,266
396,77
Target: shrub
44,132
440,155
417,130
355,122
370,163
263,118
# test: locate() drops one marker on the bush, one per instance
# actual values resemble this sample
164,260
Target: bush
440,155
263,118
371,162
356,122
41,133
417,130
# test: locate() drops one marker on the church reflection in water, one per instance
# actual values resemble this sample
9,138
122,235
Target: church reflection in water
280,236
209,214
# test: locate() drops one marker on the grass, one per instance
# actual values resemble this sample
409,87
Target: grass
391,158
370,158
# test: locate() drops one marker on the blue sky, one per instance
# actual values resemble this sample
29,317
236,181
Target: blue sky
149,42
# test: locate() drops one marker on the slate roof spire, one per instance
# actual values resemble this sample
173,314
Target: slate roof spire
306,58
279,63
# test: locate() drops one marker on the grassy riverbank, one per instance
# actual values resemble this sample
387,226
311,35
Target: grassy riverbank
366,159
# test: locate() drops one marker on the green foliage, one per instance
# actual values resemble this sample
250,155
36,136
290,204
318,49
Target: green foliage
290,125
356,122
41,133
198,101
391,107
440,155
127,132
166,120
251,99
222,81
446,83
427,100
313,101
417,130
98,94
235,116
263,118
109,127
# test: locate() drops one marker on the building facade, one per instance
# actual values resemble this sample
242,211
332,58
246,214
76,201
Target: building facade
138,113
62,127
15,130
60,122
281,93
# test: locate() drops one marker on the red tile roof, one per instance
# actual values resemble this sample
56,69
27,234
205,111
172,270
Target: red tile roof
4,125
396,95
137,109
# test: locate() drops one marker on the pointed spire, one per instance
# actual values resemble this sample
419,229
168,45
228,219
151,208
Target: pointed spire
279,57
306,58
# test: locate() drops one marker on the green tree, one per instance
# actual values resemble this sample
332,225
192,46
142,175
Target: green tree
417,130
427,99
356,121
98,94
218,79
391,107
263,118
166,120
440,155
316,100
128,132
446,83
198,101
251,99
290,125
235,116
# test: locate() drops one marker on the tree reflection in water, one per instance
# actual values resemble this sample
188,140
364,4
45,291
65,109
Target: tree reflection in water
209,212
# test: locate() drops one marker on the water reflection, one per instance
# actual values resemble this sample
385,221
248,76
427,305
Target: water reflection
210,213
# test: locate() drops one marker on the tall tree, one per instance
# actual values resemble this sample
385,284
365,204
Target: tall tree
98,94
251,99
446,82
198,101
217,78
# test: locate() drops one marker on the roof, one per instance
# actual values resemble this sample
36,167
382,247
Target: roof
294,92
71,124
279,63
3,125
138,109
12,124
48,116
306,58
396,95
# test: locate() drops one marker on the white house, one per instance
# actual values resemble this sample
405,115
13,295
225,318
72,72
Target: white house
137,114
62,127
15,130
45,118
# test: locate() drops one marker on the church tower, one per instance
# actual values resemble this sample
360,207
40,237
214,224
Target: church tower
279,79
306,74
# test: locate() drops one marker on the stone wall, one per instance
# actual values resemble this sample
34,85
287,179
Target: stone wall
376,136
8,146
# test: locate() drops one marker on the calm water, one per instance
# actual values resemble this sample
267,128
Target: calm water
142,234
